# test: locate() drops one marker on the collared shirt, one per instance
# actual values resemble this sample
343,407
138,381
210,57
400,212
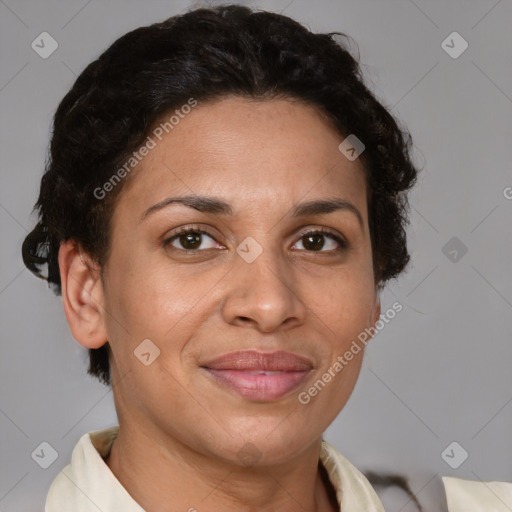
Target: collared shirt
88,485
477,496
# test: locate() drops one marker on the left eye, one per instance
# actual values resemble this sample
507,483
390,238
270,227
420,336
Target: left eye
314,241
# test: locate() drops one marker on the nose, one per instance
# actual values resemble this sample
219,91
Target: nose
262,294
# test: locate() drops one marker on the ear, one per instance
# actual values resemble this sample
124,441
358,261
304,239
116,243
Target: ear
375,312
82,295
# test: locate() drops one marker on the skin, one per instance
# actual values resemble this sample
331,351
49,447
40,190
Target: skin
180,432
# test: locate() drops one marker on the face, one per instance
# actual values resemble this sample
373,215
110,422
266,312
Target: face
262,269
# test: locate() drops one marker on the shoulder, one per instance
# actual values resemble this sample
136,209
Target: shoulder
477,496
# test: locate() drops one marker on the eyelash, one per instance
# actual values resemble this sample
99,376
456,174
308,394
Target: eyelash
343,245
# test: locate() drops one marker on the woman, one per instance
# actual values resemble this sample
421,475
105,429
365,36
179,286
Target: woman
223,203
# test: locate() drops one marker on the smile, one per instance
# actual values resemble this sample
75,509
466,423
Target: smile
259,385
259,376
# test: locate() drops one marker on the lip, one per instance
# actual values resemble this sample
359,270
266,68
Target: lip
259,376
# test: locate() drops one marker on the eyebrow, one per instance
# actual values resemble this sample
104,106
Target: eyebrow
324,206
200,203
217,206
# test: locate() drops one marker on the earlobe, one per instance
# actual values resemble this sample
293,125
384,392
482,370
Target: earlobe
375,315
82,295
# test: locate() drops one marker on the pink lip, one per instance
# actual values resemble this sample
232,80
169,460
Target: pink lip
245,373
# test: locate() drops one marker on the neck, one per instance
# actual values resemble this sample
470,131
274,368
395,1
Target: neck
158,470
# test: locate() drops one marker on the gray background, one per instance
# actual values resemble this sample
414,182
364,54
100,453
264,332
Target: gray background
438,373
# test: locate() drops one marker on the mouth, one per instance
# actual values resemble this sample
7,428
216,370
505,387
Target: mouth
259,376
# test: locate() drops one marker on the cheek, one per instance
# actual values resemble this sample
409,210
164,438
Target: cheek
152,301
344,303
145,292
172,295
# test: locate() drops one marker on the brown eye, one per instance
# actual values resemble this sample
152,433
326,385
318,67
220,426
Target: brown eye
191,240
318,240
313,242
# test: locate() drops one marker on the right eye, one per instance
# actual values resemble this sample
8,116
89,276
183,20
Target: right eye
189,240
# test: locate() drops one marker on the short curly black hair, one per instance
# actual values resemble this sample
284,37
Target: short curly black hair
207,53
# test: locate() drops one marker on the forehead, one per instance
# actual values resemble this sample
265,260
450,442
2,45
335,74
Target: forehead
249,152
